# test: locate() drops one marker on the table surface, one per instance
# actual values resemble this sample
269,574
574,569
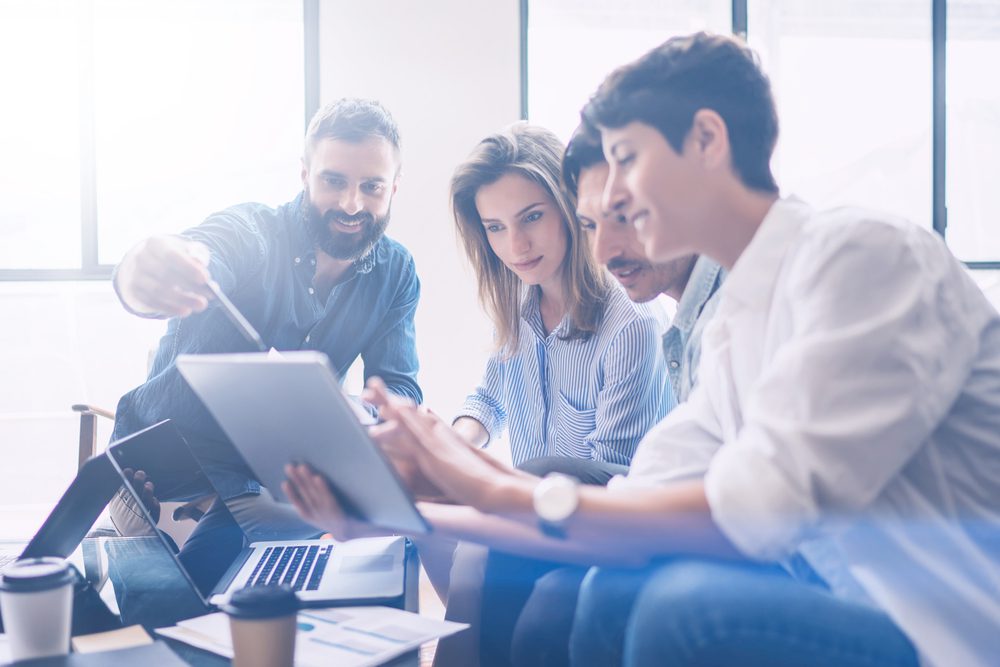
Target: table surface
198,658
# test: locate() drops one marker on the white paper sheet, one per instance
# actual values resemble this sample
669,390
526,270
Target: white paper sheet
344,636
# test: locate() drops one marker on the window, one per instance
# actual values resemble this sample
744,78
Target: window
40,135
973,129
867,116
853,89
133,118
573,43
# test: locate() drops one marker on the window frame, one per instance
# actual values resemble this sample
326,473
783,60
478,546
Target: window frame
939,36
90,268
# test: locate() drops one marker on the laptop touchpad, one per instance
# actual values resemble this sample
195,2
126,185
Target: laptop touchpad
366,564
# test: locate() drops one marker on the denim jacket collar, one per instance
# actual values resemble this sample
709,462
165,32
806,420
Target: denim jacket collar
705,278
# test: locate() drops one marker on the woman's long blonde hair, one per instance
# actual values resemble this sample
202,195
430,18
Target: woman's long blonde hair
536,154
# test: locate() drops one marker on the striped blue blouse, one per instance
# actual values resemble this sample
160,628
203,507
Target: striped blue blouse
589,399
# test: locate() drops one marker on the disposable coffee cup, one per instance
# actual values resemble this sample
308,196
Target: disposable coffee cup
36,600
262,621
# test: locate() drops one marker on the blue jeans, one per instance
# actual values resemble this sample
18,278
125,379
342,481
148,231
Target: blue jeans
510,580
693,612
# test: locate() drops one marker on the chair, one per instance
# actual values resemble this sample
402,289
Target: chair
88,430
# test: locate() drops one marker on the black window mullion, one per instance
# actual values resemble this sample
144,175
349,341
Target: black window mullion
310,41
939,35
523,48
740,19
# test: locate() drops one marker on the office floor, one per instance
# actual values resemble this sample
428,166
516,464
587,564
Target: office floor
430,605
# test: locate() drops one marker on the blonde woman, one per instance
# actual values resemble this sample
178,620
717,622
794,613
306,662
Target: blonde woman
577,372
577,376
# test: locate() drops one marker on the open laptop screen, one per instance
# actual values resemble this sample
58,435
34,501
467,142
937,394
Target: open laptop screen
76,512
153,464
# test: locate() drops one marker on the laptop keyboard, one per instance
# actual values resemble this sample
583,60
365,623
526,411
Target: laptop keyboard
300,567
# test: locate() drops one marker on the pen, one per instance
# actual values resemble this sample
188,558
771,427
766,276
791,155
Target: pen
236,317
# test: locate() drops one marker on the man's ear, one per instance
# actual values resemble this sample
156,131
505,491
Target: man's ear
709,137
395,182
305,174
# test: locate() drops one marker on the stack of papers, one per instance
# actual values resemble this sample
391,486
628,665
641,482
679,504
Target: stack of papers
344,636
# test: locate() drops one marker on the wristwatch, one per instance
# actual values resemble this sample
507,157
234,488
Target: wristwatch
555,498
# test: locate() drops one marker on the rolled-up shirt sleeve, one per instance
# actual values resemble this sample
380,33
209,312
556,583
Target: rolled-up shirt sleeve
236,244
485,404
392,355
878,352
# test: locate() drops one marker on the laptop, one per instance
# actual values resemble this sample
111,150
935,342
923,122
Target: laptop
73,516
292,408
322,572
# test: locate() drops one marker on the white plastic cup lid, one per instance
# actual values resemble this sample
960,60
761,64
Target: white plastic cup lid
35,574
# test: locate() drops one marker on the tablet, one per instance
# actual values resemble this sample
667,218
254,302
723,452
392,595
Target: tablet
292,408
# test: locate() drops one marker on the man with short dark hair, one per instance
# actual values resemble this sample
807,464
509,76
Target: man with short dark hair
692,281
316,273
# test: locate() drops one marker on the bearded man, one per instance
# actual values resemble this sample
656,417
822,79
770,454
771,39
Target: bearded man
316,273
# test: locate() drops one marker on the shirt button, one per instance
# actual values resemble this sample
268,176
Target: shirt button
312,291
297,260
675,364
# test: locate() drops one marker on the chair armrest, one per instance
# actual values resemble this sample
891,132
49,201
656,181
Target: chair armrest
85,409
88,430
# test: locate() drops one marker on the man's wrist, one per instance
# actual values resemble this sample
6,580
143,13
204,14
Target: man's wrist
506,493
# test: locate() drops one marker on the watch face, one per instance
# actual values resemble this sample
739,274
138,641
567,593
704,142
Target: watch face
555,498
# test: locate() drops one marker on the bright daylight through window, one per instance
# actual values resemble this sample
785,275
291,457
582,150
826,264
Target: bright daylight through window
212,113
853,82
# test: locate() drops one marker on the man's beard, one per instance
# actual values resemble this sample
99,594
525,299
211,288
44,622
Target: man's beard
343,245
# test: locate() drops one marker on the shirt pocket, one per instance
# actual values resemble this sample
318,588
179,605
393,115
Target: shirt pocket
574,426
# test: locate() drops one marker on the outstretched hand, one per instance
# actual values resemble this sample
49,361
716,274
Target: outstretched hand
165,275
461,472
315,502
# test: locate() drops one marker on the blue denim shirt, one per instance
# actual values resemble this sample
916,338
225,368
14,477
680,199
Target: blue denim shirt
264,260
682,341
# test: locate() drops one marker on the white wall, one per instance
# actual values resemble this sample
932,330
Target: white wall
60,343
448,71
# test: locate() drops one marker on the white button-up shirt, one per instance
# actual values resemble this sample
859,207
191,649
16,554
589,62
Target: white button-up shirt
850,395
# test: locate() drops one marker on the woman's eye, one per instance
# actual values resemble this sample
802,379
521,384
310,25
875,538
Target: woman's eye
626,159
588,226
534,215
493,228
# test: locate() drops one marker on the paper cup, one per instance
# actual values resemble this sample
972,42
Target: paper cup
262,621
36,600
